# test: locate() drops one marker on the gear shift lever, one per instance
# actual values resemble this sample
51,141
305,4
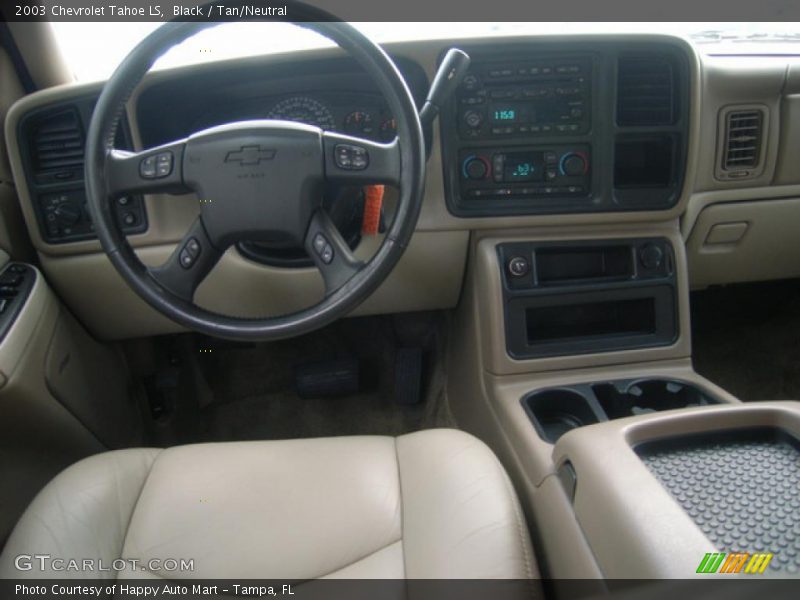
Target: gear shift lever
449,75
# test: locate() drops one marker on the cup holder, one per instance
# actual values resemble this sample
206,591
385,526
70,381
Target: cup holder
647,396
556,411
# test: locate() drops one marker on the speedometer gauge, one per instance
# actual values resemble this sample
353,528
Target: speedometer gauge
303,109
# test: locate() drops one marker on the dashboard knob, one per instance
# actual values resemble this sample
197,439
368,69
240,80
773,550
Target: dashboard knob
573,164
473,119
67,213
651,256
518,266
475,167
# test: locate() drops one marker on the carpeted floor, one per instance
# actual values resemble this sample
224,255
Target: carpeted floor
247,392
746,338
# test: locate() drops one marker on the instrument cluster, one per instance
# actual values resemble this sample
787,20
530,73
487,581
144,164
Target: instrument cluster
361,115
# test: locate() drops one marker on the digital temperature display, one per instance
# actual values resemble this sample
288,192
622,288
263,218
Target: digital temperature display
523,166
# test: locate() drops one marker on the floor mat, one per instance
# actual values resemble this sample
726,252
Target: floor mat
746,338
247,392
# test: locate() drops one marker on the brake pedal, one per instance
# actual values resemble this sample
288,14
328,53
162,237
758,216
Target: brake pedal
338,377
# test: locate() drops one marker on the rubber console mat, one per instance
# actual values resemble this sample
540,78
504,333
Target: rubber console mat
741,488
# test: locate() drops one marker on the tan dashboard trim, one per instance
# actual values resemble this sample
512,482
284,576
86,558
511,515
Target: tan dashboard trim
435,215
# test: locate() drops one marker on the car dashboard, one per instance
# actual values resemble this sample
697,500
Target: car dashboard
574,136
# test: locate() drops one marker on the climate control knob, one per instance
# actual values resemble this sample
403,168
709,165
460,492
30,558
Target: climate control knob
573,164
475,167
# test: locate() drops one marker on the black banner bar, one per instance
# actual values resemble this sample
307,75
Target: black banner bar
402,10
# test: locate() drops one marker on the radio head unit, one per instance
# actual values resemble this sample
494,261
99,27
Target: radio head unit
547,127
524,97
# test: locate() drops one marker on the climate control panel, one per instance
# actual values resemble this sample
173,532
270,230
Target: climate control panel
524,172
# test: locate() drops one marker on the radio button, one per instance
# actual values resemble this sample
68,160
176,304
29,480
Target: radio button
471,82
499,94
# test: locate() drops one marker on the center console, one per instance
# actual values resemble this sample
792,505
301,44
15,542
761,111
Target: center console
697,492
578,297
543,129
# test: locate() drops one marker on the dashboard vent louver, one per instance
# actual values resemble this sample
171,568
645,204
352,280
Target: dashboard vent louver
645,91
743,137
58,142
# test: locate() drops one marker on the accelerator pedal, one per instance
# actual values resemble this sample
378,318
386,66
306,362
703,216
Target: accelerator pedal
408,376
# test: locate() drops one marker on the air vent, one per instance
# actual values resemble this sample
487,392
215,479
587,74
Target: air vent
743,137
57,142
645,91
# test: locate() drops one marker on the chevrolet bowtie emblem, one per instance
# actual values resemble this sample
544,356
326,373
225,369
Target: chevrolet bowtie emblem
250,155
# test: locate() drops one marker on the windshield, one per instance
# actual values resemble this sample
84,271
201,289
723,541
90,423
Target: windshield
93,50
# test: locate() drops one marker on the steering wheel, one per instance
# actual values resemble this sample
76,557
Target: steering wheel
256,180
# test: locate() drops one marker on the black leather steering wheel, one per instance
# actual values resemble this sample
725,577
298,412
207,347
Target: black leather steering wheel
256,180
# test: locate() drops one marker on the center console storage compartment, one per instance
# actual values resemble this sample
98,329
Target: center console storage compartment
757,473
579,297
692,493
556,411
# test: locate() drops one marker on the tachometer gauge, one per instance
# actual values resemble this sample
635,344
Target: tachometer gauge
388,130
359,123
303,109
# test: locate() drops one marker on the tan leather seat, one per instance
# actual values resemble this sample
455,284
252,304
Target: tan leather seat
433,504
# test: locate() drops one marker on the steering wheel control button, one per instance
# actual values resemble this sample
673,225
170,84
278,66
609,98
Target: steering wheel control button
156,166
518,266
163,164
323,248
147,168
319,243
351,158
191,250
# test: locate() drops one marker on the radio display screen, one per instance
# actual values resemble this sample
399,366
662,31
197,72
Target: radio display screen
508,113
523,166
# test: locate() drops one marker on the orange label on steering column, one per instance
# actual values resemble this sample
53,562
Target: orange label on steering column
373,202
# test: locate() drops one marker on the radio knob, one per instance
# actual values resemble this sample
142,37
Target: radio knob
473,119
475,167
67,214
573,164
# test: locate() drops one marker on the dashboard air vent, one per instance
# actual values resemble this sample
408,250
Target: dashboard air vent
57,141
645,91
743,137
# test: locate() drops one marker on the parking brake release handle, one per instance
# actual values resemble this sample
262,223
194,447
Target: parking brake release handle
451,71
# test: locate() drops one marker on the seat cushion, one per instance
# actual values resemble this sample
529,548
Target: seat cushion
432,504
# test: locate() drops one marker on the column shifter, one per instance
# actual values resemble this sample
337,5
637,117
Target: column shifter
451,71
